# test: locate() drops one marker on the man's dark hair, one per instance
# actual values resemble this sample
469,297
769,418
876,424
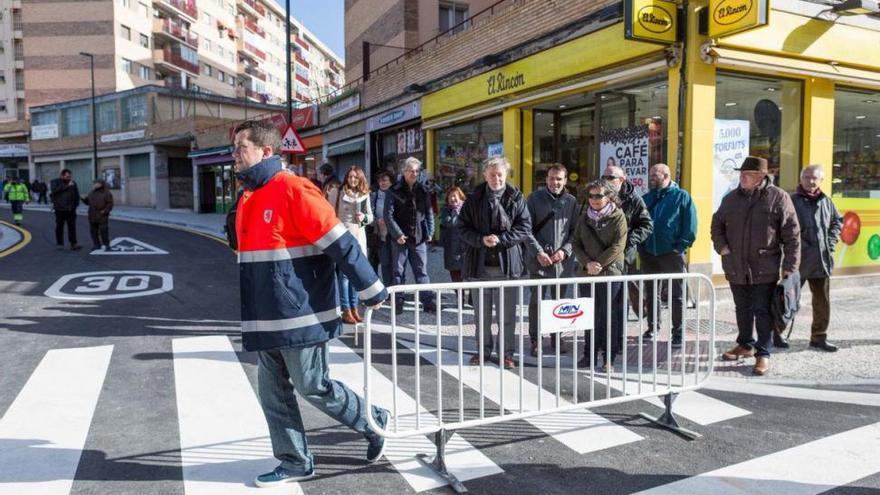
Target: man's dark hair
557,167
261,133
327,169
66,171
385,174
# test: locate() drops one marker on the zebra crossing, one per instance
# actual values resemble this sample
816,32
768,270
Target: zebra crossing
224,439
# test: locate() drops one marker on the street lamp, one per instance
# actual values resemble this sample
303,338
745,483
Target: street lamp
94,116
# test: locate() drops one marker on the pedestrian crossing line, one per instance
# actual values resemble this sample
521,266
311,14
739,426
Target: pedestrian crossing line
807,469
43,433
693,406
463,460
581,430
224,439
752,387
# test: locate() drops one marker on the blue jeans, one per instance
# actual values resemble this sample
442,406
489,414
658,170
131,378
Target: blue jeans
348,297
417,255
386,262
304,370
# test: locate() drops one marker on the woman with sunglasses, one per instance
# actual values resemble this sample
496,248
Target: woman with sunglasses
599,244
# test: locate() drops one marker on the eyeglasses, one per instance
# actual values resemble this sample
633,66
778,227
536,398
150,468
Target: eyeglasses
610,177
595,196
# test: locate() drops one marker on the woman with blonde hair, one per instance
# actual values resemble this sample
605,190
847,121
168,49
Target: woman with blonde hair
352,205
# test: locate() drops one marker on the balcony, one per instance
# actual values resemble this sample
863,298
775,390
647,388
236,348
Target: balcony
252,7
304,80
251,51
300,60
253,95
255,72
174,82
254,28
170,60
301,97
175,32
184,8
301,42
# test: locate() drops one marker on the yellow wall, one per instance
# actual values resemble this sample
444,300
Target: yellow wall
512,135
819,126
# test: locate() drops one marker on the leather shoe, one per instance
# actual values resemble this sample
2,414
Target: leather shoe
347,317
356,315
824,346
762,365
737,353
779,342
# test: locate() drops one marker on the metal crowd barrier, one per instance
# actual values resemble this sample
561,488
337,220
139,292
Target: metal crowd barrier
648,369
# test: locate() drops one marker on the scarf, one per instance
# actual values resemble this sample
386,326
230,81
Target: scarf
803,192
605,211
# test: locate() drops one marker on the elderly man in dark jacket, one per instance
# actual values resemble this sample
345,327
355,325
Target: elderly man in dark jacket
494,223
549,249
820,230
65,199
100,201
755,230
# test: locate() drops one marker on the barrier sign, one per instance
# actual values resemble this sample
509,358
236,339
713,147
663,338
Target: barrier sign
561,315
655,21
733,16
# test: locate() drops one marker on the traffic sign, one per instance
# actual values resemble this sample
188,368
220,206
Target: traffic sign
290,141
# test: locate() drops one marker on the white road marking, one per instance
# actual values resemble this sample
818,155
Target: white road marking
807,469
224,440
99,286
752,387
580,430
44,431
128,246
462,459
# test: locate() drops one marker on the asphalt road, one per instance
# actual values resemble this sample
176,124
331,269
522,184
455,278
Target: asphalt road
148,381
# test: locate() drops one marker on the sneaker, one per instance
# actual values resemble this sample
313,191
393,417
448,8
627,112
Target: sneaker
779,342
676,340
280,475
430,308
107,247
376,448
648,335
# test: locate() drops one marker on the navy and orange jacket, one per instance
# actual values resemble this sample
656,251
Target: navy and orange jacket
289,246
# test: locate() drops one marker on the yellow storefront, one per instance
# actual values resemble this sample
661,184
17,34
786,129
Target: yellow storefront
800,90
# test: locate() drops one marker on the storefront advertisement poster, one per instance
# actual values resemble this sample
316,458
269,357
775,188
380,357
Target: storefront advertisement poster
628,149
495,149
859,243
730,148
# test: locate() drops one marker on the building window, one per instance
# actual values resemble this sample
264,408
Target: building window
3,106
44,118
145,41
125,66
107,116
207,70
189,55
134,112
221,76
207,44
461,150
144,10
76,121
452,14
856,143
125,32
145,73
125,3
768,111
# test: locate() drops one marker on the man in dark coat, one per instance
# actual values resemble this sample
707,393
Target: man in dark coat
820,230
409,219
755,230
100,201
65,199
494,223
548,251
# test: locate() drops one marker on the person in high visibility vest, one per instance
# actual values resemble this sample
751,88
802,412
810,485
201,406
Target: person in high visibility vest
17,194
290,245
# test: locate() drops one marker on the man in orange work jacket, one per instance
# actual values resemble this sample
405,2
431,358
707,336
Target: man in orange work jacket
290,243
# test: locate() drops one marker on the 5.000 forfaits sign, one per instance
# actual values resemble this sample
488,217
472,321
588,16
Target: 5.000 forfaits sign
732,16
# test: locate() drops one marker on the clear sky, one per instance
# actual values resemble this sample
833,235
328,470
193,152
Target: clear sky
325,18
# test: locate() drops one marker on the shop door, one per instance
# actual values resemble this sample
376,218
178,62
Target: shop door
577,146
207,198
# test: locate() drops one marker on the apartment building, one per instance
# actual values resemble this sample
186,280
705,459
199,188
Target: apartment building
13,133
393,27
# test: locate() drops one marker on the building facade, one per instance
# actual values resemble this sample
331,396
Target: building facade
574,89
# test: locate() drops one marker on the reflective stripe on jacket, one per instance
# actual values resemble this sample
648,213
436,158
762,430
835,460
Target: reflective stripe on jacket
290,243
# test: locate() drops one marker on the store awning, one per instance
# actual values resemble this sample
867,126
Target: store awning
345,147
726,57
211,156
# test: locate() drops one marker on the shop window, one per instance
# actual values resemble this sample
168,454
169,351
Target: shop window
461,150
107,116
76,121
395,146
766,110
856,144
138,165
134,112
44,118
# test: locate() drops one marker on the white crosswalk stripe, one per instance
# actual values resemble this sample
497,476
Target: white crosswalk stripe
43,433
224,440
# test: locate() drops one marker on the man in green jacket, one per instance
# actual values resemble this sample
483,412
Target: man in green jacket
17,194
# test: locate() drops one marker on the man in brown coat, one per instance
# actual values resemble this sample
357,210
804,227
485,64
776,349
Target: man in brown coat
100,201
755,230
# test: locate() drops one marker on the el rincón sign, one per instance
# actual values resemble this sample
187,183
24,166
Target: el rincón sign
732,16
655,21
